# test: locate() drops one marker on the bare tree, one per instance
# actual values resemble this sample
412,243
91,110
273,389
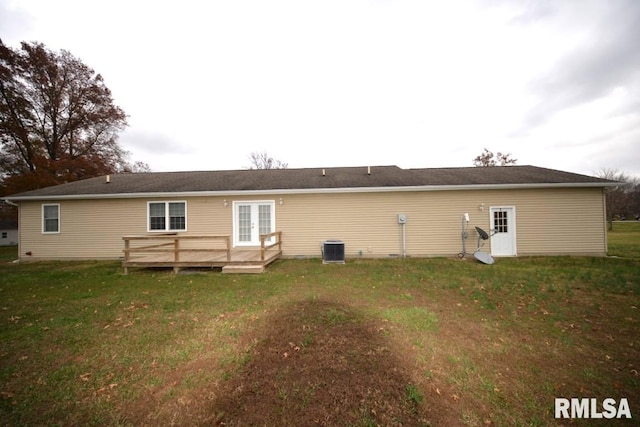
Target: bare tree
261,160
622,201
135,167
487,158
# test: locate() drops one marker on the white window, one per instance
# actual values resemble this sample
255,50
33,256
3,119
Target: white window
50,218
167,216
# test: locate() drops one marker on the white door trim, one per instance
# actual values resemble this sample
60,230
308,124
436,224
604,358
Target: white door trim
255,226
503,244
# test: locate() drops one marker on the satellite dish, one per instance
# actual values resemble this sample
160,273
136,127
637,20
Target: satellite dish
483,234
483,257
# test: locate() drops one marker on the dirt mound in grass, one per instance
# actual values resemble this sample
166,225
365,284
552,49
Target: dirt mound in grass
322,363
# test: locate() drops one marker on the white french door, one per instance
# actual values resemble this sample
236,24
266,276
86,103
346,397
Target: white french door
250,220
503,227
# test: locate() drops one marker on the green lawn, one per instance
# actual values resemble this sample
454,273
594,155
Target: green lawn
83,344
624,239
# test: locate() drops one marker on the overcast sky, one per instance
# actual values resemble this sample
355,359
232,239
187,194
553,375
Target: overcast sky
556,83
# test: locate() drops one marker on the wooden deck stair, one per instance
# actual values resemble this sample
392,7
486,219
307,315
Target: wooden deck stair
243,269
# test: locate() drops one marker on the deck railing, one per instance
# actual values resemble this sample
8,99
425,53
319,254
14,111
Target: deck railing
171,244
167,248
264,246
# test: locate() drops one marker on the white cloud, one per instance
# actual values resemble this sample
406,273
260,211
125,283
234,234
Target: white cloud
413,83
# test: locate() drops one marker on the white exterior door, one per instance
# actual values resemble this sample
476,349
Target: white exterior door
503,227
250,220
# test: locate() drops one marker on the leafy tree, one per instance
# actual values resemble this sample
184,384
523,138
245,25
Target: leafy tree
487,158
58,120
264,161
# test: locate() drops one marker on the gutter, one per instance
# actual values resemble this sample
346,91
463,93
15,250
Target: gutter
229,193
9,202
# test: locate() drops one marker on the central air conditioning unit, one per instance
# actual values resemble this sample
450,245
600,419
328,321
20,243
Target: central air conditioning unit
333,252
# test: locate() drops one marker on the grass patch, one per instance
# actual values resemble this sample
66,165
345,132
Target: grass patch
624,239
419,341
414,395
8,253
418,319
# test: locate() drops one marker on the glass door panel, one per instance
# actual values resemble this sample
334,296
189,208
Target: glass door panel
251,219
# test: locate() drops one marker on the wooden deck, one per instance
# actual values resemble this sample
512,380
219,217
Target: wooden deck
208,251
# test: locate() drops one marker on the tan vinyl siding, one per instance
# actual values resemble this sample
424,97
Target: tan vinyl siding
93,229
561,222
548,222
88,228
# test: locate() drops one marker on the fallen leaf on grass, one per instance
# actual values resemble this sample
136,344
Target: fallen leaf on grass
293,346
105,388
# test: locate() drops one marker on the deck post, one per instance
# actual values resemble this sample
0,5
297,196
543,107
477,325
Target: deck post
228,240
126,249
262,247
176,254
126,254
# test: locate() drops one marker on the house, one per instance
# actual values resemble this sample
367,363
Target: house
380,211
8,233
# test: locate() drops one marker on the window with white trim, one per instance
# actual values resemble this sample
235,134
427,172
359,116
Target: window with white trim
167,216
50,219
500,222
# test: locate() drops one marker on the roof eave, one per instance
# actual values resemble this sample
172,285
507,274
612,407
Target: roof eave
153,195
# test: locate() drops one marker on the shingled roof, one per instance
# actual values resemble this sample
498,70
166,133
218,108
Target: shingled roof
310,179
